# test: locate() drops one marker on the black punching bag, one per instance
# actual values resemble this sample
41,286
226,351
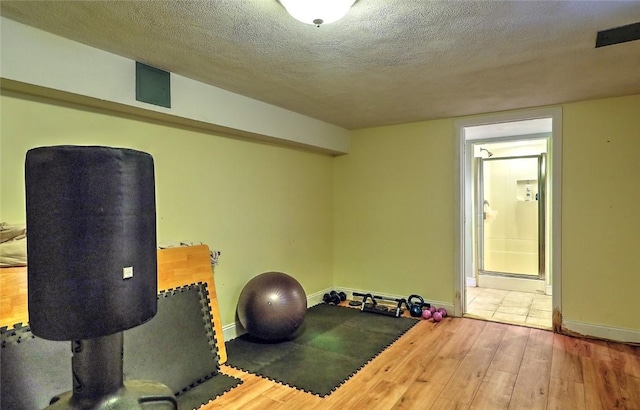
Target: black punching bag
91,240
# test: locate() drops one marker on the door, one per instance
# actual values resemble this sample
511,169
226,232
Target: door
511,216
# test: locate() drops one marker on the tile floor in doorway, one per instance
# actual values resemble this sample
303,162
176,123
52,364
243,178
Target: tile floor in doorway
510,306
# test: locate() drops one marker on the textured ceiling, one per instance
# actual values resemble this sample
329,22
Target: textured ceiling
386,62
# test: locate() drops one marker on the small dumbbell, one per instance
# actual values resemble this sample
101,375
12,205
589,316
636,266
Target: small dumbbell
341,295
331,298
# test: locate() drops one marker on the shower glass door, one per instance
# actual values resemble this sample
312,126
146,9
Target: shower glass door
511,216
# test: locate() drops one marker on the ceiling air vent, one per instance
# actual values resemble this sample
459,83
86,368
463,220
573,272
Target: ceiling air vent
618,35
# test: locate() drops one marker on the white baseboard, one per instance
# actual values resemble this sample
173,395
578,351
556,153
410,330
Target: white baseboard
603,332
315,298
471,282
233,330
549,290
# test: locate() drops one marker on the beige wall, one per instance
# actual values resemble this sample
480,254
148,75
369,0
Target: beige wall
394,211
394,223
380,218
265,207
601,212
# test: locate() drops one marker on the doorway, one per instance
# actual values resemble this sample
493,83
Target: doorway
510,202
509,217
510,208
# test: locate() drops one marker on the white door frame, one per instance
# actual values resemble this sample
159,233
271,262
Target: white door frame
464,200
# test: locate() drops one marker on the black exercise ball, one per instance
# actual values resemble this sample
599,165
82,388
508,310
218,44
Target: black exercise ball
272,306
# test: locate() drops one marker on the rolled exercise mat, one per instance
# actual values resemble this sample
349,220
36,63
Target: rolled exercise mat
91,226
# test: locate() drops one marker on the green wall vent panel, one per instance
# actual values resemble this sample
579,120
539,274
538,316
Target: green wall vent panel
153,85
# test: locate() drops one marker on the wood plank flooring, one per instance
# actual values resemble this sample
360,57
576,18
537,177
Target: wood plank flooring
463,363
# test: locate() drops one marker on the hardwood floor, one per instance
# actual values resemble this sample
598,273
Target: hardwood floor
463,363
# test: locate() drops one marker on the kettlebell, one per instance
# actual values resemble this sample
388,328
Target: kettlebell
415,303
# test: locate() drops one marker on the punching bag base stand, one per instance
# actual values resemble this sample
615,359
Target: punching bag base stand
135,394
98,381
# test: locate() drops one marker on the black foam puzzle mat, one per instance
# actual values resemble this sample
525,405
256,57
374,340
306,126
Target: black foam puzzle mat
332,345
177,348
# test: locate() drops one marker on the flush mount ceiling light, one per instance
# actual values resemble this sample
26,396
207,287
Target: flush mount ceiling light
317,12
